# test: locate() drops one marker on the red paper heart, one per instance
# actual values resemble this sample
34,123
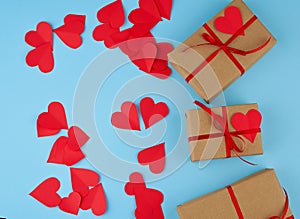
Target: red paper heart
71,204
231,22
112,14
136,183
251,120
42,57
42,35
70,32
164,7
104,33
150,7
62,154
51,122
147,55
128,117
155,157
151,112
83,179
95,200
77,138
46,192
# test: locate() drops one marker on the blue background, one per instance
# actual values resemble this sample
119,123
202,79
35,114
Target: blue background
25,92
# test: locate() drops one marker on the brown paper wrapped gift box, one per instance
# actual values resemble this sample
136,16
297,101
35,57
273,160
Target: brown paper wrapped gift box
200,123
220,72
258,196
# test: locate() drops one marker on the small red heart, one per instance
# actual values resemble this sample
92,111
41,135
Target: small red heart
104,33
164,7
70,32
62,154
95,200
231,22
46,192
147,56
71,204
151,112
112,14
77,138
51,122
42,35
128,118
251,120
83,179
42,57
136,183
155,157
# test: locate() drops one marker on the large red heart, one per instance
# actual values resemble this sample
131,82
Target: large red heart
42,57
128,118
62,154
155,157
70,32
151,112
83,179
95,200
112,14
231,22
77,138
46,192
71,204
51,122
251,120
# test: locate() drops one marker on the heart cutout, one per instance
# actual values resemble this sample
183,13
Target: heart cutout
46,192
147,55
231,22
155,157
112,14
70,32
136,183
164,7
71,204
83,179
96,201
128,118
242,122
51,122
43,34
104,32
77,138
152,113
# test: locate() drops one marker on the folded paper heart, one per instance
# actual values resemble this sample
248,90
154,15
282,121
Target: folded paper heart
83,179
46,192
42,35
155,157
71,204
128,118
112,14
104,33
152,113
95,200
70,32
51,122
76,138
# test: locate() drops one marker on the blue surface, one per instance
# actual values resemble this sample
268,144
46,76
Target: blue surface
273,82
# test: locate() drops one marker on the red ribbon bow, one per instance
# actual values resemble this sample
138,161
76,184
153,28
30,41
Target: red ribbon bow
213,39
221,124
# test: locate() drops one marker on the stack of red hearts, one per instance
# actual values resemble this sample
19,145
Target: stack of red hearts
137,42
87,193
42,40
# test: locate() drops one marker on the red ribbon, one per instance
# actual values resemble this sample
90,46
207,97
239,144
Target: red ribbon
240,213
213,39
221,123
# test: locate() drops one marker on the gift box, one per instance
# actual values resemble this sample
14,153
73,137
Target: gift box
222,50
224,132
258,196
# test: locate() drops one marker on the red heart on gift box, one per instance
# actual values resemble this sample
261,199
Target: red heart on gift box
83,179
128,118
155,157
70,32
112,14
251,120
95,200
151,112
42,57
42,35
51,122
71,204
62,154
231,22
46,192
77,138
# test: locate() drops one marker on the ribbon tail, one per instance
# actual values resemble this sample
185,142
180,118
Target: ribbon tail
258,48
244,160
